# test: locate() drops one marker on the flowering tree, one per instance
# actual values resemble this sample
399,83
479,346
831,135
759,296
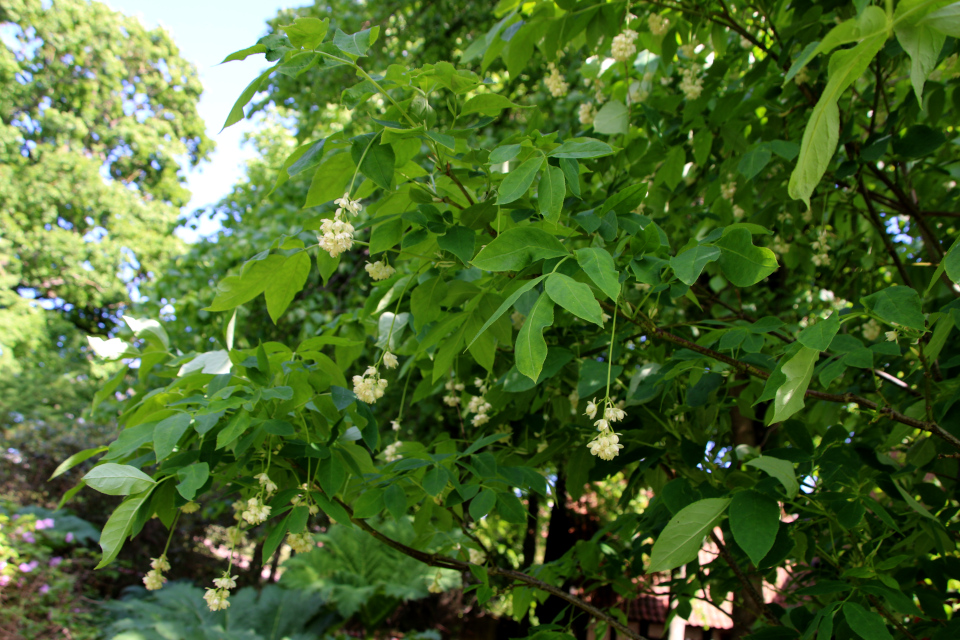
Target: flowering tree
708,258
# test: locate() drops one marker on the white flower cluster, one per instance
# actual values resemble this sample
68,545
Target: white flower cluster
821,248
434,586
336,235
380,270
802,77
154,579
606,445
391,452
891,335
390,361
479,406
587,114
269,485
217,598
369,387
623,48
255,511
691,84
658,24
555,83
454,389
871,330
779,245
728,190
689,50
300,542
738,212
395,425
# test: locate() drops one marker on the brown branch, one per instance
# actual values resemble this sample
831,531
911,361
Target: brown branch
743,367
941,214
878,225
459,184
886,614
749,587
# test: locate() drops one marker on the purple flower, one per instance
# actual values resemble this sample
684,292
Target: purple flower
27,567
46,523
28,537
4,581
69,536
45,588
55,561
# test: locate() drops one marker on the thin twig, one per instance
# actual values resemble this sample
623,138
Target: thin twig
748,586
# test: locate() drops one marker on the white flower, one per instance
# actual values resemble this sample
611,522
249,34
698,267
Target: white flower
480,419
153,580
555,83
190,507
313,509
336,235
226,581
380,270
690,84
217,599
346,204
623,48
871,330
269,485
395,425
689,50
728,190
738,212
891,336
160,564
591,411
451,400
606,445
256,512
301,543
658,24
369,387
602,424
390,361
391,452
587,114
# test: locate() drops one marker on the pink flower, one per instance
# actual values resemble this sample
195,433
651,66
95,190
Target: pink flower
27,567
28,537
55,561
4,581
46,523
69,537
44,589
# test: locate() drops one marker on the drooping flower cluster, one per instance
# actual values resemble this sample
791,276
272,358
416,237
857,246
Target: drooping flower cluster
728,190
369,387
658,24
391,452
300,542
454,389
587,114
691,84
555,82
390,361
623,48
606,445
218,597
268,485
821,248
154,579
255,511
689,50
479,406
380,270
336,235
871,330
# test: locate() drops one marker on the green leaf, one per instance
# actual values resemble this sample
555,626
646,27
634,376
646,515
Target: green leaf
798,371
331,474
395,499
671,171
951,263
243,54
386,236
118,479
435,480
531,348
274,538
612,118
369,504
754,522
945,20
582,148
232,291
782,470
192,478
702,142
75,459
681,539
118,526
743,263
754,160
866,624
913,504
509,302
511,509
897,305
286,283
514,186
482,504
488,104
425,301
550,193
517,248
599,266
575,297
459,241
689,264
236,113
820,334
378,159
356,44
923,43
331,179
306,33
918,141
823,128
504,153
168,432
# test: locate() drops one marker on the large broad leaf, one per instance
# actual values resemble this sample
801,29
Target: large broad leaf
509,302
866,624
459,241
754,522
582,148
689,264
192,478
356,44
900,305
923,43
598,264
287,282
236,113
782,470
306,33
612,118
233,291
516,183
75,459
488,104
168,432
376,161
118,479
680,541
550,193
531,348
798,371
820,334
517,248
743,263
575,297
118,526
945,20
823,128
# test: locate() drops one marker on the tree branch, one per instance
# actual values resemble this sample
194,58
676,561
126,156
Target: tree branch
875,219
748,586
